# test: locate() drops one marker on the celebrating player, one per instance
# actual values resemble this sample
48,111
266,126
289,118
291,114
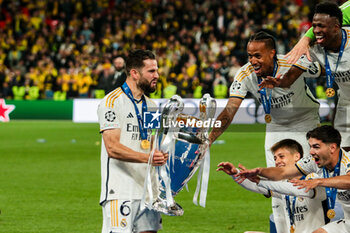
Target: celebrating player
290,112
125,148
304,211
302,47
332,51
328,161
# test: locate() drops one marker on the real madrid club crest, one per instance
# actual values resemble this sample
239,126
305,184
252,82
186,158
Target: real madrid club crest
330,92
123,223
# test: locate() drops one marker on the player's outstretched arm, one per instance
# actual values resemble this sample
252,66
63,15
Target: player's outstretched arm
287,188
231,170
284,81
271,173
225,118
339,182
227,167
301,48
271,82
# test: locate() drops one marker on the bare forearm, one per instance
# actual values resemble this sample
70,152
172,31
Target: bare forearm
278,173
124,153
225,118
290,77
271,173
339,182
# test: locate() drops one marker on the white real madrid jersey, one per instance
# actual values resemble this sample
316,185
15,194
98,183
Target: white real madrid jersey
309,213
120,179
307,165
341,72
291,108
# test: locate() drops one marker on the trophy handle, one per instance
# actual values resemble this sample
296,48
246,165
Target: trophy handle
172,108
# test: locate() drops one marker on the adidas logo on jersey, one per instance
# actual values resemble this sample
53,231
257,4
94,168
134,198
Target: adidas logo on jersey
130,115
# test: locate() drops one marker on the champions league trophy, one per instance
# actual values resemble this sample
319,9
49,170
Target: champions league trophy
185,139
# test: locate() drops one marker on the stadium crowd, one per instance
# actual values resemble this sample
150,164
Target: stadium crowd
61,49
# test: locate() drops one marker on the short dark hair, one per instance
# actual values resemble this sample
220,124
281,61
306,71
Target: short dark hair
136,57
265,37
290,144
331,9
326,134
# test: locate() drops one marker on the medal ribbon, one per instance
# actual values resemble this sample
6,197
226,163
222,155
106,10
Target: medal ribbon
266,102
143,131
330,77
332,192
291,210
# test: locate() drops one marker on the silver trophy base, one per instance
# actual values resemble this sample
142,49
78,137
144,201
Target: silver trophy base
174,210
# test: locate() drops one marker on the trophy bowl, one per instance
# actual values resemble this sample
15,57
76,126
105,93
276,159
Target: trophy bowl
185,139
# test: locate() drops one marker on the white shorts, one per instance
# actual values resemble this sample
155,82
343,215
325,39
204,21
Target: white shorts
340,226
124,216
279,216
342,123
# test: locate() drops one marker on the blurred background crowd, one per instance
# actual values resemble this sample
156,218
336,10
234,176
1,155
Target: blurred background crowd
62,49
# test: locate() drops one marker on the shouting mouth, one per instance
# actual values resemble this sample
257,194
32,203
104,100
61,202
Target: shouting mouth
320,39
317,160
257,69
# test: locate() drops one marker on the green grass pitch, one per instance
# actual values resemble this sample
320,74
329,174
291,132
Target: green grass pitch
50,182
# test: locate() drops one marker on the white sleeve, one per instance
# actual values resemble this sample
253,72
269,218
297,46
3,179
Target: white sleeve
285,188
108,117
238,88
320,192
307,165
251,186
311,69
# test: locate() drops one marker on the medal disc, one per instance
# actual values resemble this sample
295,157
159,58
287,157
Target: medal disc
145,144
330,92
292,230
268,118
331,213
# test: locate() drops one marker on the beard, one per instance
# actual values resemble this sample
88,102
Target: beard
145,85
119,69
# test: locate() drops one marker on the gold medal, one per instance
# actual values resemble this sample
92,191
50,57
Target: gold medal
145,144
292,229
268,118
331,213
330,92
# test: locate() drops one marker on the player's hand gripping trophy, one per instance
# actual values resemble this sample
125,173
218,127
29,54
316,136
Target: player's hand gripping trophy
185,139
